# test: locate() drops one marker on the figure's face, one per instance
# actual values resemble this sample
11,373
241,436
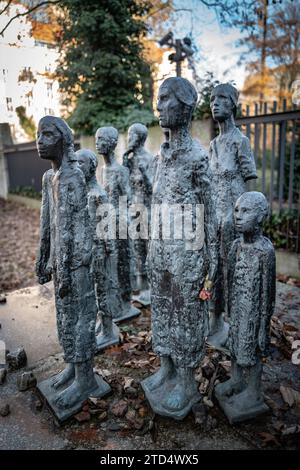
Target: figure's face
105,142
221,105
170,109
49,141
246,216
84,164
133,138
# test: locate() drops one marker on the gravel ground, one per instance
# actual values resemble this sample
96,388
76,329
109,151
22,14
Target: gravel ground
19,235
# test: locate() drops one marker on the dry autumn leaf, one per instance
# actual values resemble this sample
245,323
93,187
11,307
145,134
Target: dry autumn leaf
290,396
268,438
119,409
102,372
226,365
128,381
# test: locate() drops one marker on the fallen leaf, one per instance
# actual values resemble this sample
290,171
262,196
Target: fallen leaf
98,403
119,409
203,385
289,327
226,365
83,416
128,381
142,411
113,350
135,339
287,431
143,333
102,372
290,396
102,416
208,402
129,346
137,364
134,420
268,439
272,404
278,426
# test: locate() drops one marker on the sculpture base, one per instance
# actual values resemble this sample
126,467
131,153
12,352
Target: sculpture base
127,314
155,399
105,341
62,414
235,415
218,339
143,297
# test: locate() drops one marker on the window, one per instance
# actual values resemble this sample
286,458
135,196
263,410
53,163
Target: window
49,90
44,44
4,74
29,98
26,75
9,105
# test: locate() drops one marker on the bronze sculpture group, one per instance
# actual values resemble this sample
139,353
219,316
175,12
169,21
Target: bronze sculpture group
214,282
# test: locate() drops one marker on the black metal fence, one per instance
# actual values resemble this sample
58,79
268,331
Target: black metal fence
24,167
275,139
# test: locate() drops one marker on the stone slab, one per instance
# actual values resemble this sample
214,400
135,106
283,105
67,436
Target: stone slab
132,312
154,399
63,414
235,416
114,339
143,298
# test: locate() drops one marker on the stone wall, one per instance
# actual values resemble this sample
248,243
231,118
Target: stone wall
200,130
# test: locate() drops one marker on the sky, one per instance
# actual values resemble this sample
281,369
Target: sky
216,45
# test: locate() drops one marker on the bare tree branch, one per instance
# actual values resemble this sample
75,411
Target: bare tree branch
18,15
211,4
6,7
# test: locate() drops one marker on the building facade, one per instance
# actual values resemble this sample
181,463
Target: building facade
28,88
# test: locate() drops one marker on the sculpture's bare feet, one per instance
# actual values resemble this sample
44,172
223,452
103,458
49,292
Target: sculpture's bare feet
74,393
157,379
248,398
178,398
226,389
68,397
63,377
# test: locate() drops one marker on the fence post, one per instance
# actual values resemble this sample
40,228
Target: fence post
282,140
256,136
264,156
273,157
